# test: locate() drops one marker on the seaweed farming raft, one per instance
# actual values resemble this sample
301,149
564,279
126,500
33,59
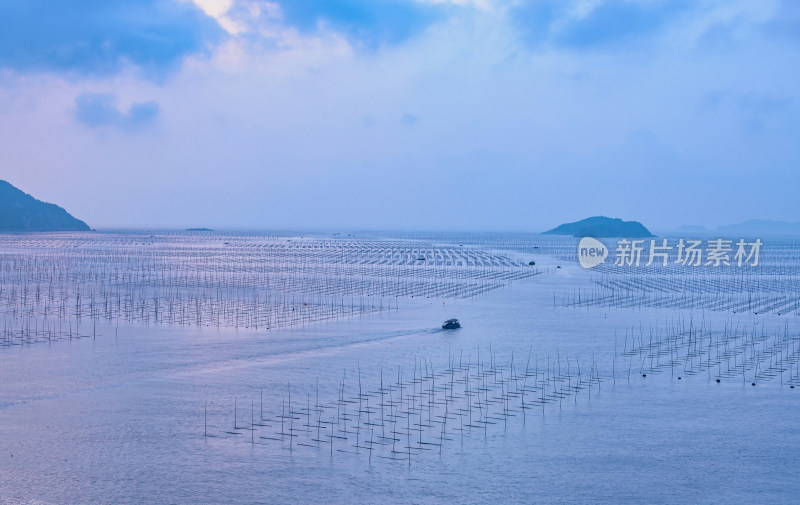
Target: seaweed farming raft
405,416
52,284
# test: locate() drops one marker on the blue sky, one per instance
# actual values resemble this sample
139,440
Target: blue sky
402,114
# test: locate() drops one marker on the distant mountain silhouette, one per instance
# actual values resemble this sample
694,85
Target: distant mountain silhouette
601,226
692,228
20,211
762,226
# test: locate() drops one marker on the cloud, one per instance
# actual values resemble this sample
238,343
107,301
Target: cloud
786,22
369,22
409,119
588,24
100,37
759,110
97,110
512,126
762,103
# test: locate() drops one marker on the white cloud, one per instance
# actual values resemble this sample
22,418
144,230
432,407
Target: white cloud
273,124
214,8
479,4
219,9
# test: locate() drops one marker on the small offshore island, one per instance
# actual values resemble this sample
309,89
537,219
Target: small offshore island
602,227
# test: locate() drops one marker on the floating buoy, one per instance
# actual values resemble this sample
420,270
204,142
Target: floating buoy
717,380
644,375
679,378
752,383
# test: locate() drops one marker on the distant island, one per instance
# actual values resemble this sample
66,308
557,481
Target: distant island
199,229
761,226
692,228
602,227
20,211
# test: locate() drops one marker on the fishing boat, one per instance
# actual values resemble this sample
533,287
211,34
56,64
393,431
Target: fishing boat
451,324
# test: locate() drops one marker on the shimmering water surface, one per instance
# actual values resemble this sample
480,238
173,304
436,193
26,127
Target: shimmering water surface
124,354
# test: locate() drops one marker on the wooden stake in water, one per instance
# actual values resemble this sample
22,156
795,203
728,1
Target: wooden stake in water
614,362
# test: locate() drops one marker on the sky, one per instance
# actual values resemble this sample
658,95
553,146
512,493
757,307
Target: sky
508,115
